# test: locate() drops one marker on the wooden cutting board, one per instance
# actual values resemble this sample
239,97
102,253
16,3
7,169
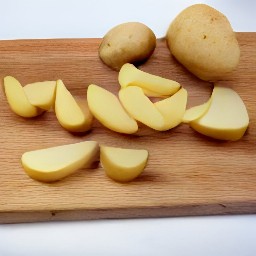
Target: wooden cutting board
187,173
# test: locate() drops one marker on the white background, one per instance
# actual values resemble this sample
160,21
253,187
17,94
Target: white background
213,235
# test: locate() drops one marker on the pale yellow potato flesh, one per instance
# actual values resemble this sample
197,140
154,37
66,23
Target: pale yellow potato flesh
153,94
68,112
141,108
18,100
129,75
107,109
41,94
121,164
55,163
196,112
83,104
226,118
173,108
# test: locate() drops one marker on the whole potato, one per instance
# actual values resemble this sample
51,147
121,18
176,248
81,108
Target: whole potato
130,42
202,39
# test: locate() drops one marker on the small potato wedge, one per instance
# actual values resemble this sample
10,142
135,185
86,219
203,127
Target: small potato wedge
152,85
41,94
18,100
69,113
122,164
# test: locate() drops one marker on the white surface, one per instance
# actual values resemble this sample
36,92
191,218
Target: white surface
215,235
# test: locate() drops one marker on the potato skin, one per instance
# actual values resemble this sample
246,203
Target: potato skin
130,42
202,39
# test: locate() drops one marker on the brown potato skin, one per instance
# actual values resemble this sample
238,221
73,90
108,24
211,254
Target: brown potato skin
130,42
202,39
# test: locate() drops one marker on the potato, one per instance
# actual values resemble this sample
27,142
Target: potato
121,164
152,85
196,112
41,94
106,107
173,109
141,108
202,39
226,118
18,100
69,112
130,42
55,163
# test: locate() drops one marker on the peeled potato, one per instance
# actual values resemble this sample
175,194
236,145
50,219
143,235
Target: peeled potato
196,112
41,94
106,107
226,117
18,100
130,42
141,108
55,163
122,164
152,85
202,39
173,108
68,111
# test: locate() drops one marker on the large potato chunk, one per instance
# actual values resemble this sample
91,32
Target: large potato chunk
226,118
129,42
202,39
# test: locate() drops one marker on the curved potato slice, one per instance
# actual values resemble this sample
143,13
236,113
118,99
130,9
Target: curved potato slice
196,112
68,112
129,75
141,108
106,107
18,100
41,94
55,163
173,108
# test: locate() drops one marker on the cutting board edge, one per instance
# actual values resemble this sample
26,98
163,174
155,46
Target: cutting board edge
234,208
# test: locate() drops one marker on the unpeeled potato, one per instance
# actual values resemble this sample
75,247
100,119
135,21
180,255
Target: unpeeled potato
130,42
202,39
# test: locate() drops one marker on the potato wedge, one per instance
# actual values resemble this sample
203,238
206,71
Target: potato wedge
41,94
17,99
121,164
55,163
68,112
106,107
129,75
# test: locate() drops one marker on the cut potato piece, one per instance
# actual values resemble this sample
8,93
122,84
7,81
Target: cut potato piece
83,104
141,108
226,118
196,112
41,94
18,100
173,108
106,107
121,164
153,94
69,114
52,164
129,75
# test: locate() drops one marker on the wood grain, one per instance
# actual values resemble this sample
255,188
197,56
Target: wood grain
187,173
